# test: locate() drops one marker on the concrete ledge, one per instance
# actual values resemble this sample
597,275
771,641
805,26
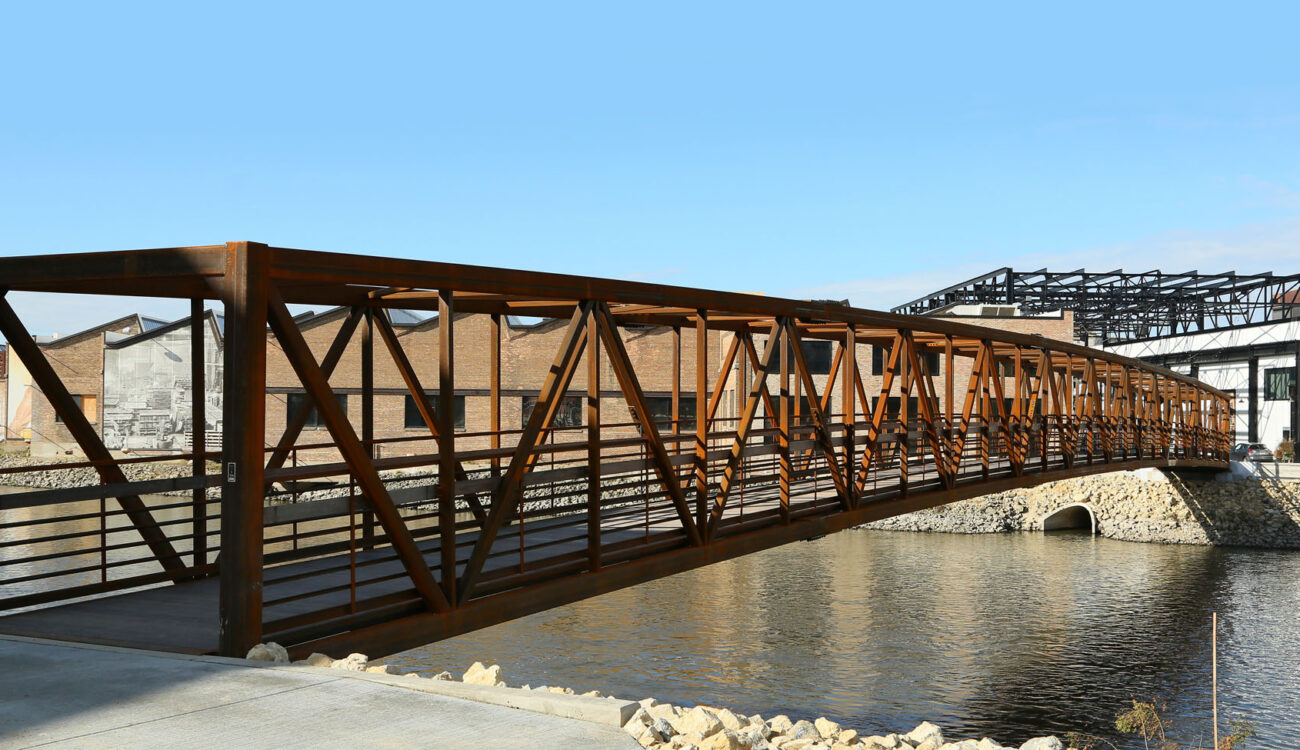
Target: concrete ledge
607,711
604,711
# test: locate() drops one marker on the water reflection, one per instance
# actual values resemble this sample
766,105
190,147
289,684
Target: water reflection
1006,636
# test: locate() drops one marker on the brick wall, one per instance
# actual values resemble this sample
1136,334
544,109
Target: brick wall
78,360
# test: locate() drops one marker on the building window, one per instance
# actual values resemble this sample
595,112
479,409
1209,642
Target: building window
314,421
877,360
413,420
816,355
892,405
569,413
89,404
931,360
661,411
1279,383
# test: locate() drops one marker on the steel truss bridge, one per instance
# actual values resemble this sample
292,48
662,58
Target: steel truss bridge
545,515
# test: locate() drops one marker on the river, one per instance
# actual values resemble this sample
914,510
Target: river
1009,636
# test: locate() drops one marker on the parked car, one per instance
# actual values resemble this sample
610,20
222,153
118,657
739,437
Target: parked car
1251,452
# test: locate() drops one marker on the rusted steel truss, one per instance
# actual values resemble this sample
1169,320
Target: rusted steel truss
515,521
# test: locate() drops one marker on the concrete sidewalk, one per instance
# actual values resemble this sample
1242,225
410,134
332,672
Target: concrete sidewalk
66,695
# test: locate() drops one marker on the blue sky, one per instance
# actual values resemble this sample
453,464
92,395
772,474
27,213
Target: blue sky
874,151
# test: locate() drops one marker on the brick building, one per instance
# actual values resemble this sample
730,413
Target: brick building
132,377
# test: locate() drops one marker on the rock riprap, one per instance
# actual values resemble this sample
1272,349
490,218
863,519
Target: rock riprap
663,726
1136,506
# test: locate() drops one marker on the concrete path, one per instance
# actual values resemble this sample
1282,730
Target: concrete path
64,695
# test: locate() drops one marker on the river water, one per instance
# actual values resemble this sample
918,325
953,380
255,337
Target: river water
1009,636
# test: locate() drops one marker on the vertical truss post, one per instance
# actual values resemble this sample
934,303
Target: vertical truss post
783,420
904,414
198,430
446,416
494,390
949,408
368,416
593,443
677,389
848,410
243,429
985,411
701,419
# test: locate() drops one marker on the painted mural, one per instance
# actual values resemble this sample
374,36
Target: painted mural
148,392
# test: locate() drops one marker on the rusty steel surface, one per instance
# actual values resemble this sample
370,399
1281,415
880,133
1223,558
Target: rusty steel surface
512,521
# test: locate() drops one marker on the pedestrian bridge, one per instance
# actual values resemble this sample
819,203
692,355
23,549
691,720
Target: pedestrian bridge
378,545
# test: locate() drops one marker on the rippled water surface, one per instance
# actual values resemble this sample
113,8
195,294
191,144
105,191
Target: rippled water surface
1007,636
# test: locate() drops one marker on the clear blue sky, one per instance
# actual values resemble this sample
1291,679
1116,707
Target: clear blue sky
868,150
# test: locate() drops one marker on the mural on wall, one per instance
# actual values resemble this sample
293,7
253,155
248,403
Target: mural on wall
148,387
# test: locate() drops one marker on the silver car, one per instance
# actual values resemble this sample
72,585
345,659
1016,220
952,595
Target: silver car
1251,452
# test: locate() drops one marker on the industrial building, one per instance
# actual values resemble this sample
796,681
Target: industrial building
1239,333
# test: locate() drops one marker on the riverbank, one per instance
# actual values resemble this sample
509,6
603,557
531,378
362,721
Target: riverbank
1136,506
663,726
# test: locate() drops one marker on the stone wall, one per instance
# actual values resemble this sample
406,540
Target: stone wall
1138,506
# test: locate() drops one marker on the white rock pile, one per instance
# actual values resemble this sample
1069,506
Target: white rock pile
663,726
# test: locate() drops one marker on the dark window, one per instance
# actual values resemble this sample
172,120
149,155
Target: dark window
661,411
1279,383
816,355
892,405
414,421
314,421
569,414
931,360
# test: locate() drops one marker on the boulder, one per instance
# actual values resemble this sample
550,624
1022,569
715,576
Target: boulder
804,729
698,720
988,744
318,660
725,740
730,720
352,663
272,652
637,723
923,733
477,674
827,728
1043,743
877,742
847,737
664,728
382,669
780,724
664,711
445,676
